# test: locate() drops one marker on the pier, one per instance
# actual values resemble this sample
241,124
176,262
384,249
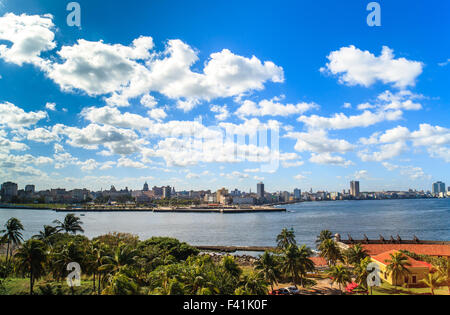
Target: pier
174,210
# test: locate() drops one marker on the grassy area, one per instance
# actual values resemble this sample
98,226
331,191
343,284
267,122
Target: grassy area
387,289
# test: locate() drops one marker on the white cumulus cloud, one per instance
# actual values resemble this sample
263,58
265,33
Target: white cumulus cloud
356,67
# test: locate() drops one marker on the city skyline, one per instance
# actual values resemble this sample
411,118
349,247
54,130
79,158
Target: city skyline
152,102
354,189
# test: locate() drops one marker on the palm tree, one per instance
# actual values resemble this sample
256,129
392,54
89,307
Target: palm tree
397,266
12,235
433,281
324,235
201,277
297,263
72,251
122,283
253,284
48,232
290,263
231,267
305,263
97,252
123,256
444,271
330,251
356,254
71,224
340,275
286,238
31,258
268,267
361,272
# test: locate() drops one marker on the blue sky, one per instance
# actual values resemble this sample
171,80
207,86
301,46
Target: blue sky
132,94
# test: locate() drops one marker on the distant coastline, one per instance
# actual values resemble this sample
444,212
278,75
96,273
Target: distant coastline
156,210
272,207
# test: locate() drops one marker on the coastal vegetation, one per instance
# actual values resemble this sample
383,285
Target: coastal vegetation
122,264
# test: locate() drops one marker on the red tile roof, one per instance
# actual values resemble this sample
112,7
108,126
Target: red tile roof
420,249
319,261
384,257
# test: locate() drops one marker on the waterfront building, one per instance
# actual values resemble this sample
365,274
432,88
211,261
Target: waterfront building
286,196
114,195
236,193
79,195
158,191
260,190
60,195
167,192
141,196
221,196
297,194
335,196
210,198
354,188
9,190
30,189
438,188
417,270
381,249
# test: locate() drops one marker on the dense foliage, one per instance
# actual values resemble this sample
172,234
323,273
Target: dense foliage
122,264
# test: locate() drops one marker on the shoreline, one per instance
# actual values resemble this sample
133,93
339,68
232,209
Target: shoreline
269,207
224,211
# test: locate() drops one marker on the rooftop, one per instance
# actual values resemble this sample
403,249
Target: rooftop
319,261
420,249
386,256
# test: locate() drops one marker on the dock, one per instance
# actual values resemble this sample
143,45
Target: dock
174,210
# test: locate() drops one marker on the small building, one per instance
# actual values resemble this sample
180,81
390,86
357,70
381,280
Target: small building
418,270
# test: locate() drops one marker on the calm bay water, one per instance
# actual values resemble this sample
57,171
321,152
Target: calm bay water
428,219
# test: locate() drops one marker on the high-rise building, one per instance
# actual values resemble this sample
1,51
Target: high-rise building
158,191
354,188
30,189
145,187
8,191
167,192
297,194
438,187
260,190
286,196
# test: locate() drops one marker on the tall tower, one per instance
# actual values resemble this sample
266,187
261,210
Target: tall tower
167,192
260,190
438,187
145,187
354,188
